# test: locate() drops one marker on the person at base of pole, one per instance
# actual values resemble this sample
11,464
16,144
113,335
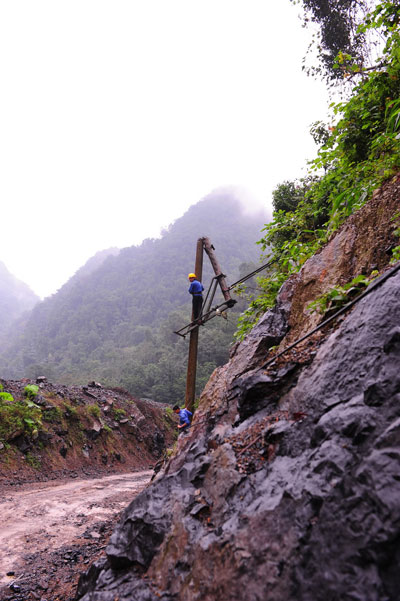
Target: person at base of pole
196,288
185,417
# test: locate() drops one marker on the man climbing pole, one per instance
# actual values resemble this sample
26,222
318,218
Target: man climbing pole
185,417
196,290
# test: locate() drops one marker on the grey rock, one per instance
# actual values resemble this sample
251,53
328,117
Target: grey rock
63,451
319,520
22,443
94,431
94,384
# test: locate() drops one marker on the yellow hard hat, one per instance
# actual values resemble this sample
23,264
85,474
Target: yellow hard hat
191,275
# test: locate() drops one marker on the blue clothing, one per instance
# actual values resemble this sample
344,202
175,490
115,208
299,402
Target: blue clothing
184,417
196,288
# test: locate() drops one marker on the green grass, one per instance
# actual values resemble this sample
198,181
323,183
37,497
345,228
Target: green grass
118,414
33,461
53,415
94,410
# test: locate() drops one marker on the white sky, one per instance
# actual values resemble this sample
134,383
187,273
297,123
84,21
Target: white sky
116,116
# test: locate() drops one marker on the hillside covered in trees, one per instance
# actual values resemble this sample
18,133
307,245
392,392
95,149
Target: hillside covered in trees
114,320
15,298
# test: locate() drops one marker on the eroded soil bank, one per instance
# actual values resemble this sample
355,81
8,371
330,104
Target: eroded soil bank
50,532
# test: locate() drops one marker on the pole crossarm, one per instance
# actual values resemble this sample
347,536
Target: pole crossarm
214,312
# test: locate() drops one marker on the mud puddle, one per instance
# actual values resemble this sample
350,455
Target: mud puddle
50,532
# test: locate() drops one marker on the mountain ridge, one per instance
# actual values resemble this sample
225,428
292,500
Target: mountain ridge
100,315
16,297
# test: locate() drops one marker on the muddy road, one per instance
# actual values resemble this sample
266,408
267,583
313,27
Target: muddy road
51,532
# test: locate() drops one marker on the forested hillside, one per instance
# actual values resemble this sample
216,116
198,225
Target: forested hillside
15,298
115,323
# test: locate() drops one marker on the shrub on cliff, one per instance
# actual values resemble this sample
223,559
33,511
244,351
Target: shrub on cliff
94,410
356,156
18,418
31,391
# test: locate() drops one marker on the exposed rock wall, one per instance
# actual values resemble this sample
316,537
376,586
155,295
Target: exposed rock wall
287,488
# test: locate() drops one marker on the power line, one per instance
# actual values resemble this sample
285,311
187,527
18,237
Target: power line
250,275
370,288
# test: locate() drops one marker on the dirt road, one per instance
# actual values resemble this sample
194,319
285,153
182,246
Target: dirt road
51,532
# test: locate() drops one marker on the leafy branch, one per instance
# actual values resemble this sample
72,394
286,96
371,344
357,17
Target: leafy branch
338,296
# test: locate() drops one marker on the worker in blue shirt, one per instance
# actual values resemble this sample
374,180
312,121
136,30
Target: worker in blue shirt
184,417
196,290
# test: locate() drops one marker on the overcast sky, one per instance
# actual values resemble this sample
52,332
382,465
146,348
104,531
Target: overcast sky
116,116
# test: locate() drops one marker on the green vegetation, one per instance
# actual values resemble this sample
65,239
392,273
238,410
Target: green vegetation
396,254
94,410
396,250
356,156
114,322
339,32
18,418
33,461
169,420
169,412
31,391
70,412
6,396
171,450
119,414
338,296
53,415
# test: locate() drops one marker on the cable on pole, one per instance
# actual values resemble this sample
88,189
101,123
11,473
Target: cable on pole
250,275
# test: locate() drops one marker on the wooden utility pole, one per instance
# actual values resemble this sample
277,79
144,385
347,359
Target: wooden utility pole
194,338
203,244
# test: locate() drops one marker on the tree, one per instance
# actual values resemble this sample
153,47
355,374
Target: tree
340,35
287,196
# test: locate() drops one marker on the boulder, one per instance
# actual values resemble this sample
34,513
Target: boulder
94,430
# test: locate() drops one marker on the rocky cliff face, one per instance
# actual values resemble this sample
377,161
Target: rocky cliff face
287,487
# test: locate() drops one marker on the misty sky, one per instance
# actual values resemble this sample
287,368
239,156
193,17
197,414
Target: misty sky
116,116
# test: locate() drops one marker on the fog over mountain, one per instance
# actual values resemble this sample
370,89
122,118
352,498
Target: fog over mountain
113,319
15,298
